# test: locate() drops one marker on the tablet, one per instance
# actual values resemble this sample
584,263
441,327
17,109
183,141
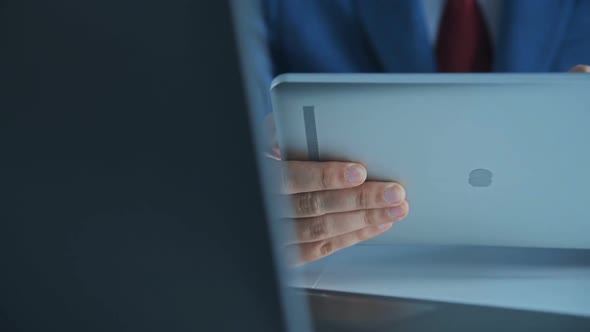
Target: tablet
486,159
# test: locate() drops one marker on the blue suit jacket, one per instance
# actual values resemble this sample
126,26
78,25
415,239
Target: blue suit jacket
390,36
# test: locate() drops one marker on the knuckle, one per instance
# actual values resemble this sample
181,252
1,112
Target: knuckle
362,198
360,236
308,204
324,178
365,235
318,229
367,220
326,249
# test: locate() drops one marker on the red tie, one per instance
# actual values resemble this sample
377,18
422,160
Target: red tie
463,40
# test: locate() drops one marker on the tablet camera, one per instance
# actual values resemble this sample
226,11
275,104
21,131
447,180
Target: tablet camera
480,178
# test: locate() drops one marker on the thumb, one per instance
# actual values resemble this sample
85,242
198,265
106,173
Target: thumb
580,69
270,132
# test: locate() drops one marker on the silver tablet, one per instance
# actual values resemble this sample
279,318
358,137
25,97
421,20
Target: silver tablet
486,159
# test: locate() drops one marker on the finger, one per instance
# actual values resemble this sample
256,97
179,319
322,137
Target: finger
274,155
276,152
580,69
331,225
308,176
370,195
315,250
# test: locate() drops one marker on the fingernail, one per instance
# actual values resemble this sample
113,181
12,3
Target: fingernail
394,194
384,226
276,152
355,174
396,212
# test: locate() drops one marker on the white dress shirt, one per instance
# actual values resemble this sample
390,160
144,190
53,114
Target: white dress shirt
433,10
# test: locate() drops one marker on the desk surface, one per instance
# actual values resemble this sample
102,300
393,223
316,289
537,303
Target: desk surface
550,280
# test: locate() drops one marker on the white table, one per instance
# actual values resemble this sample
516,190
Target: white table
550,280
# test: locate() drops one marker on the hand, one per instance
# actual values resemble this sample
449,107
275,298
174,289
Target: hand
580,69
334,208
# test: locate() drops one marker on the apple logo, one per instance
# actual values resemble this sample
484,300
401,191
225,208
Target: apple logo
480,178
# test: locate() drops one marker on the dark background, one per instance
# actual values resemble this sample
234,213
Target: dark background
127,177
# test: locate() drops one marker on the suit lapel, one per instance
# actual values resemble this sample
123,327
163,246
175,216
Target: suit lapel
530,34
397,32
